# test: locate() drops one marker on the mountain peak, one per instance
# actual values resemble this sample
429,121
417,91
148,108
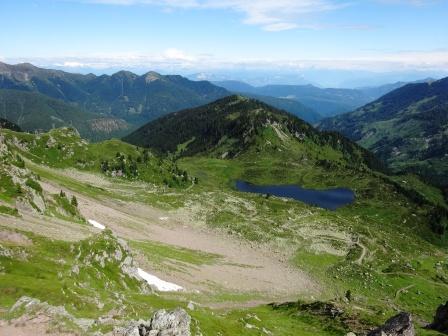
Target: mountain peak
237,125
26,65
124,74
152,76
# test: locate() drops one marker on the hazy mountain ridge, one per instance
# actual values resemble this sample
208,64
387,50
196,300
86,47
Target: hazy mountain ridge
325,101
292,106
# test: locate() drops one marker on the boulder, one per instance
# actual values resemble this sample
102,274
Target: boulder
440,322
163,323
174,323
399,325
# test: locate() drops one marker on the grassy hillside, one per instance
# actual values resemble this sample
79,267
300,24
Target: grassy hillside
89,281
64,148
387,248
407,128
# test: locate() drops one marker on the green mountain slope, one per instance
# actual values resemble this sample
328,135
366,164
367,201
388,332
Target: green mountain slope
35,112
408,128
185,221
124,95
64,148
233,125
237,138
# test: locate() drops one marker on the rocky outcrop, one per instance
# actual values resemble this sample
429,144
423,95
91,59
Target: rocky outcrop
33,311
440,322
328,309
163,323
399,325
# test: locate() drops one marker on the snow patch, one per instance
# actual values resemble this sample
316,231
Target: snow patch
161,285
96,224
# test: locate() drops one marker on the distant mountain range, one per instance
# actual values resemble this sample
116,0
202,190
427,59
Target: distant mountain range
289,105
256,78
319,77
105,106
325,102
123,95
408,128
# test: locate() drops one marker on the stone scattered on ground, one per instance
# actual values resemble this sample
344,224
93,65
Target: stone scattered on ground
322,308
398,325
163,323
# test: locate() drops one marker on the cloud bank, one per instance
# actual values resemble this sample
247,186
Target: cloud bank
177,60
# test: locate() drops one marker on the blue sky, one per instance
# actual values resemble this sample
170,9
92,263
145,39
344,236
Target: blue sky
382,35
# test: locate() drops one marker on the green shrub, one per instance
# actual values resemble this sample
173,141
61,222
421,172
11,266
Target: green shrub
8,211
34,185
19,162
74,201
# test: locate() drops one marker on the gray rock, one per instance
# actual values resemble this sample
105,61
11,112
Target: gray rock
173,323
132,331
399,325
191,305
163,323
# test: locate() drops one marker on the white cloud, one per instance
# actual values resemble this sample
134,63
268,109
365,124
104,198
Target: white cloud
71,64
271,15
179,55
279,26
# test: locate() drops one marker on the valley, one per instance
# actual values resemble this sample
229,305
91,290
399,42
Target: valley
182,220
223,168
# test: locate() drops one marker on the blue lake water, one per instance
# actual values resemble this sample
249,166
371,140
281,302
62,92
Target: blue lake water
330,199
